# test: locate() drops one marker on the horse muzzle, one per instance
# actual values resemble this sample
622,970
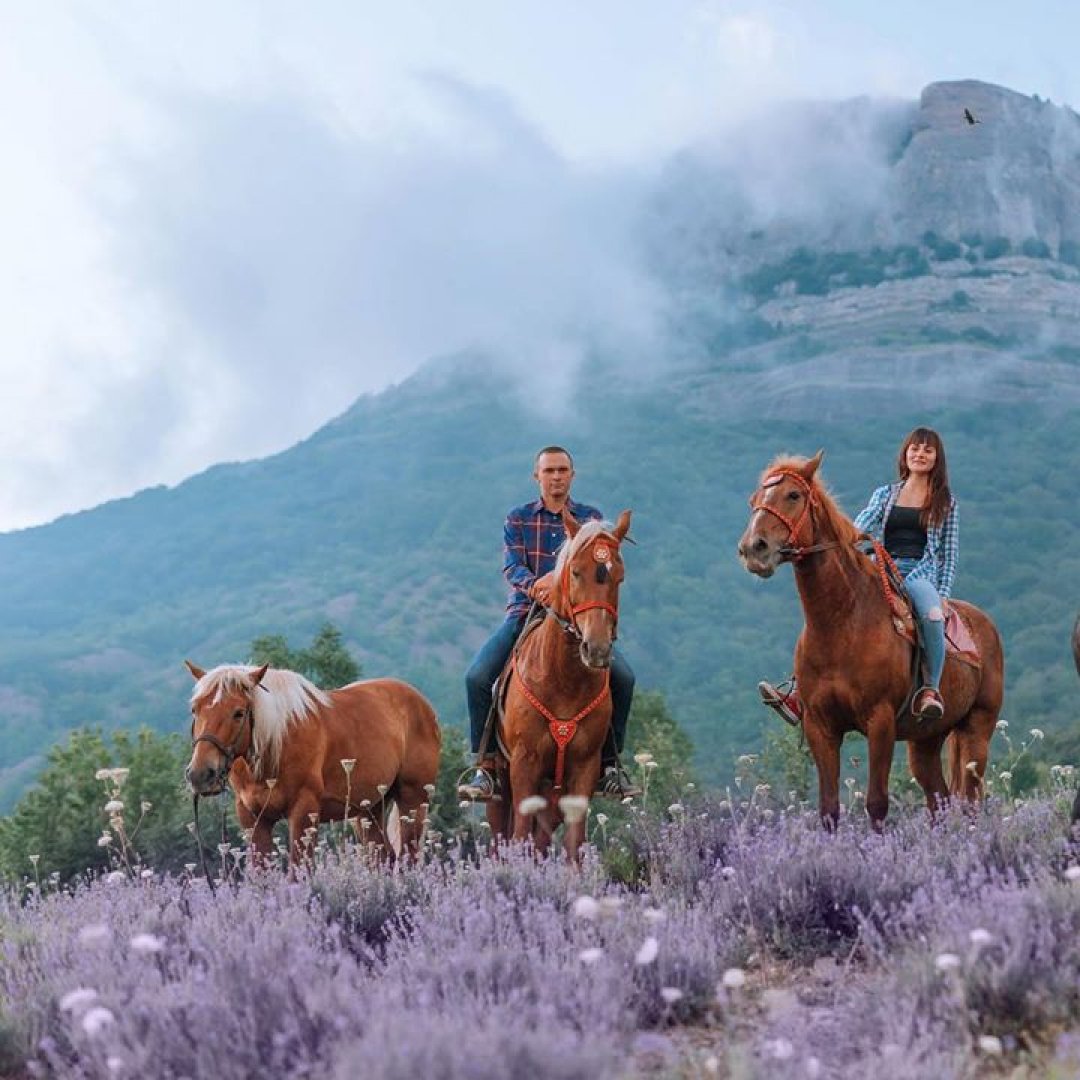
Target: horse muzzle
595,654
759,557
205,780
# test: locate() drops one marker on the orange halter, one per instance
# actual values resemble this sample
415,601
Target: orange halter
794,550
603,605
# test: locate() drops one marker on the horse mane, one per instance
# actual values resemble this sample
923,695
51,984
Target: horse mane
829,514
573,544
283,698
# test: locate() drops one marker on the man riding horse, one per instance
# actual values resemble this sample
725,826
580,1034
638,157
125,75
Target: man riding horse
532,536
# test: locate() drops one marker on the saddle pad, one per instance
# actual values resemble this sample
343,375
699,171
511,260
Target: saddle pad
959,640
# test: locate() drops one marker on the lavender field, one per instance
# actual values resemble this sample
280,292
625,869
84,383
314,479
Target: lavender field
712,937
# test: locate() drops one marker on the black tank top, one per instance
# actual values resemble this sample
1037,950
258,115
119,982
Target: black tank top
905,538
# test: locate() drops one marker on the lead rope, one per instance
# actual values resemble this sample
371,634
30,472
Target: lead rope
202,850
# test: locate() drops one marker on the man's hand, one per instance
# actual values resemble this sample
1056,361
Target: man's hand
540,590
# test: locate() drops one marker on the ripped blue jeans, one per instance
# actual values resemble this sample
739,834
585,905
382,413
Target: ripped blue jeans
928,606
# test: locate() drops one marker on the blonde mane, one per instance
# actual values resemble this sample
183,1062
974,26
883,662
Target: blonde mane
573,544
829,516
282,699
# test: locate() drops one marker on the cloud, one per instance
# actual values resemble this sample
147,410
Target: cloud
273,263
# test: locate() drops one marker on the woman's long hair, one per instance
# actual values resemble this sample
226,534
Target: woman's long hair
939,501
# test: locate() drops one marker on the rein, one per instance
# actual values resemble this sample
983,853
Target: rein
230,753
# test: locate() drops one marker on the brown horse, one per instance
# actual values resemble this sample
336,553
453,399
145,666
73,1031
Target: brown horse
558,701
853,669
290,750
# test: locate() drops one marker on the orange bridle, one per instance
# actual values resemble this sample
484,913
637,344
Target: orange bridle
602,545
794,549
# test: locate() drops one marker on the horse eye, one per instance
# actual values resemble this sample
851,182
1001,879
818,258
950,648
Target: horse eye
794,496
238,715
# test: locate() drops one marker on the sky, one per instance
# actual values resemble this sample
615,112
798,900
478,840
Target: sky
222,223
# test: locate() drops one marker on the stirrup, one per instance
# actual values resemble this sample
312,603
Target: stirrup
778,700
613,783
934,709
467,790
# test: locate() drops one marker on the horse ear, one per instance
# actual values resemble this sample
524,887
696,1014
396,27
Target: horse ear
570,523
812,466
257,675
622,526
196,672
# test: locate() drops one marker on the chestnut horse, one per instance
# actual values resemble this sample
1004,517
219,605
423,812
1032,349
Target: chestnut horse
853,669
557,706
290,750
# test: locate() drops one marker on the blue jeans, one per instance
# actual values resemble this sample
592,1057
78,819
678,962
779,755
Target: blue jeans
925,598
487,666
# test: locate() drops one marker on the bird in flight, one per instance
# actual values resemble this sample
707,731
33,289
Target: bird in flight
969,116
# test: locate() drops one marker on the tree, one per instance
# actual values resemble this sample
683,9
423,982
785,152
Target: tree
326,662
59,821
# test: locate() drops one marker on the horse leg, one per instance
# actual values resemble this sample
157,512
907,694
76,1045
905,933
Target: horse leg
524,781
584,783
881,737
825,750
969,750
303,815
411,800
924,760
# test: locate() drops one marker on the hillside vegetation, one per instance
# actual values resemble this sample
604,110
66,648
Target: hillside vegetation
783,333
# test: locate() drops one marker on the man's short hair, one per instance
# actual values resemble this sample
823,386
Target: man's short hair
553,450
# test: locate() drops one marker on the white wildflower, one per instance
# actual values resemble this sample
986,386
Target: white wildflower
746,759
671,994
781,1049
1002,725
94,934
1038,733
980,937
78,999
610,905
573,807
733,979
147,943
147,874
430,789
382,789
531,804
590,956
601,819
990,1044
652,765
348,764
97,1020
585,907
115,877
114,806
271,782
643,757
728,872
1006,776
946,961
650,949
1073,873
146,806
675,809
104,840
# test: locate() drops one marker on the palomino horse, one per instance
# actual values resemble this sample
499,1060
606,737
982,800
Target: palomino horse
290,750
558,701
853,669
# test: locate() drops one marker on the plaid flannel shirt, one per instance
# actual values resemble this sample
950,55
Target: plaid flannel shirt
532,536
938,564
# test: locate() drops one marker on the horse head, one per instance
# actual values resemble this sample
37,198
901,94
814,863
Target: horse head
222,726
781,524
588,574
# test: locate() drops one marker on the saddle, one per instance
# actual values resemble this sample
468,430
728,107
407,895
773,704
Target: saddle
959,641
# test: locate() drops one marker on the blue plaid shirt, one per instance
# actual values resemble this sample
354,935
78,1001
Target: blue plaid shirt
938,564
532,536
